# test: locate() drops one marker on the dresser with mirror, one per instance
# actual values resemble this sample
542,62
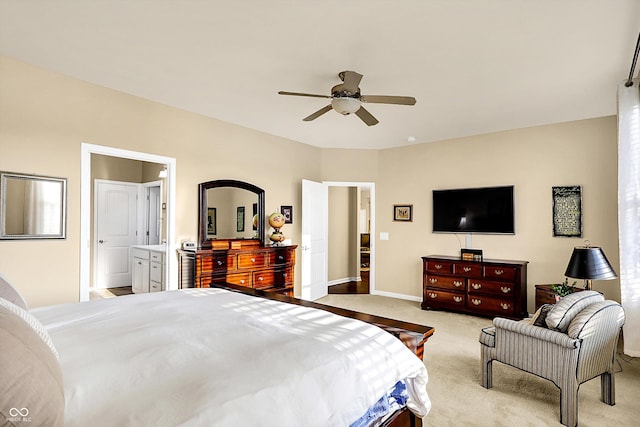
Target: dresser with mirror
231,245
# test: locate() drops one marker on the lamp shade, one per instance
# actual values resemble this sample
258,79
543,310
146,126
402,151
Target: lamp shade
589,263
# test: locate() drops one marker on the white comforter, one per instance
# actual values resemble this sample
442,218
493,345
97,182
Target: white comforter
204,357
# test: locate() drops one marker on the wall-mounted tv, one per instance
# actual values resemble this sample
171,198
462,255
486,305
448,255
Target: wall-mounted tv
487,210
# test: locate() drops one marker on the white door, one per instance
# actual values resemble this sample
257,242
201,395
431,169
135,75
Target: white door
313,263
114,232
154,220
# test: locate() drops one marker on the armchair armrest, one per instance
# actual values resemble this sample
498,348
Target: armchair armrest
536,332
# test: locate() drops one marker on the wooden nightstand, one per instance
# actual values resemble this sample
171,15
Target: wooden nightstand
545,295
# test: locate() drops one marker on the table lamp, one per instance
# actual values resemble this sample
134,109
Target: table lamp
589,263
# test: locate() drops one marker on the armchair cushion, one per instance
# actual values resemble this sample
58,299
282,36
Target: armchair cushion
540,316
615,316
568,307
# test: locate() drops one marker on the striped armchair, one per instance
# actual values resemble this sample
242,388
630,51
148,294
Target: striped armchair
576,343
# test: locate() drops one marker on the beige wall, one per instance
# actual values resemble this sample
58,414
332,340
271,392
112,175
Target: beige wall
44,117
533,160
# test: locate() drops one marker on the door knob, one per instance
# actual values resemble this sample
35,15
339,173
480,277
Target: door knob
100,241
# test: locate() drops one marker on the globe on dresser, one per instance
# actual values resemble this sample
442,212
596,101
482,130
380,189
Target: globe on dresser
276,220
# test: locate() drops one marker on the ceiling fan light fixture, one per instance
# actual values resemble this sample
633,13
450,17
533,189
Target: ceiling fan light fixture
345,105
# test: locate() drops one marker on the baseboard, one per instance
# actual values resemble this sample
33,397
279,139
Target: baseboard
398,296
343,280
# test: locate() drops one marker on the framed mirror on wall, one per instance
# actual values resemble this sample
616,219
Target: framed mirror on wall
32,207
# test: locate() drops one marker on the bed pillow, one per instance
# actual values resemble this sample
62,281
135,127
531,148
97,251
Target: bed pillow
568,307
31,388
34,323
10,293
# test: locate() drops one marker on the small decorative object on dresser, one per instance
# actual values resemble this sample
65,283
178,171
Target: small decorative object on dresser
276,220
487,288
471,255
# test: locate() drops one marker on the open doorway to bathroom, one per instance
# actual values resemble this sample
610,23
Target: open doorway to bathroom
145,185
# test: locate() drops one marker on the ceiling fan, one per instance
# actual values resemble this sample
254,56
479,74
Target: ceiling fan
346,99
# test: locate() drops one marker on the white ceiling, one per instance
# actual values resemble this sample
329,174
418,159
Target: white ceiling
475,66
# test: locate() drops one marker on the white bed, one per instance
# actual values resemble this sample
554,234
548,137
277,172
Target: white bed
205,357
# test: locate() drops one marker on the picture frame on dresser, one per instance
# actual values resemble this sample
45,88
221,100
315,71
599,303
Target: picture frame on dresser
474,255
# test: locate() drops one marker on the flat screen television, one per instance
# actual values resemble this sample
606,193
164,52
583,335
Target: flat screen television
487,210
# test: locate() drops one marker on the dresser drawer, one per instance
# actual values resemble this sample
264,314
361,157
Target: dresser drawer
467,269
205,281
242,279
500,273
490,305
497,289
252,260
439,267
272,278
435,298
209,263
445,282
281,257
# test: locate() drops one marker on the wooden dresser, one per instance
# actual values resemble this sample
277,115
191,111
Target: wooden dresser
270,268
487,288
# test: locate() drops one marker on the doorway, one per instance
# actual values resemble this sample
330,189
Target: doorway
86,238
356,210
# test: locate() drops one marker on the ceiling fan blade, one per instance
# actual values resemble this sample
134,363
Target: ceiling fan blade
366,117
303,94
384,99
351,81
317,113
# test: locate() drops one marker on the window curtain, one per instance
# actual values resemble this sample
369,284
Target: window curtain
629,211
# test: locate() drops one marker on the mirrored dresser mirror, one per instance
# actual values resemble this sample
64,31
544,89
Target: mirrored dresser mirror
32,207
227,209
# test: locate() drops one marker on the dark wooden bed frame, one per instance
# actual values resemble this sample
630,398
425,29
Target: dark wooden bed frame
414,336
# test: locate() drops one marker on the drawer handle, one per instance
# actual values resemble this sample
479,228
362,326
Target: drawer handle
154,266
284,275
457,299
280,258
242,281
466,269
505,289
476,286
499,272
438,266
253,260
432,295
433,280
219,262
457,284
260,279
505,305
476,301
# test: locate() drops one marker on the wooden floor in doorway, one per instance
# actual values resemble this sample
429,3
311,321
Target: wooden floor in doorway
353,287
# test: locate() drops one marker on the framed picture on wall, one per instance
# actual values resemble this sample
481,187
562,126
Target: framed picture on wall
211,221
287,211
567,211
403,213
240,220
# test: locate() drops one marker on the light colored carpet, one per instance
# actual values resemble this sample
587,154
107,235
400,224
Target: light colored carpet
452,357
